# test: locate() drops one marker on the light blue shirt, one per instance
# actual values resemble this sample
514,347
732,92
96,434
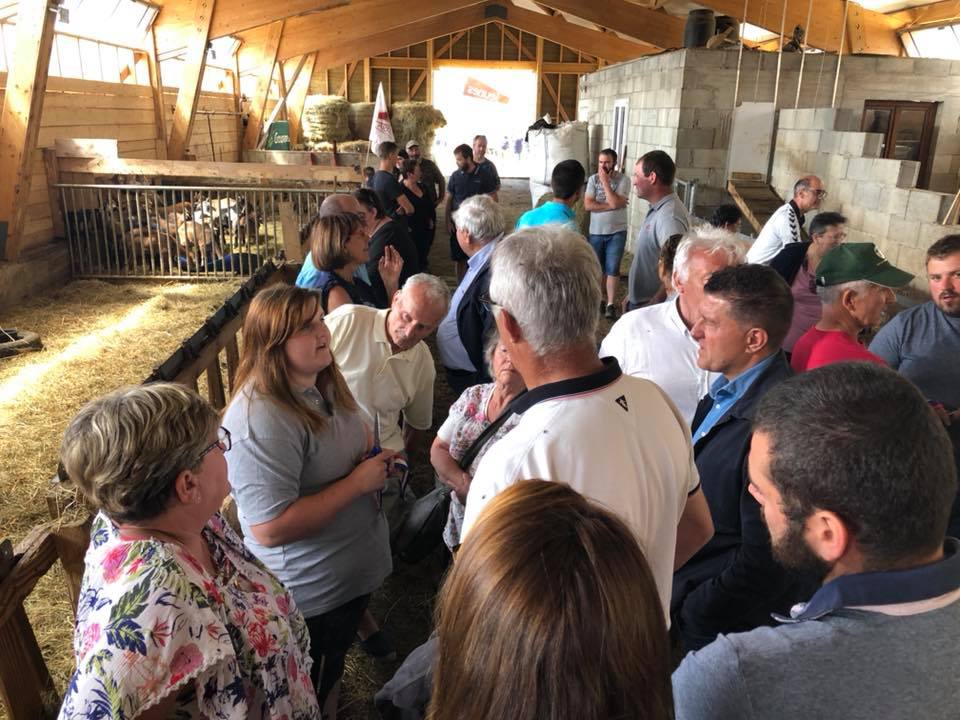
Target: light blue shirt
726,393
308,275
453,354
550,212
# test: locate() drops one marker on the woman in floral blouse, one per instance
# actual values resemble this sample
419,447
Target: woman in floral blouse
469,416
176,618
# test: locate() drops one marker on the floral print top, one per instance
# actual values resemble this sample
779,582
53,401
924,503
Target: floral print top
467,419
152,622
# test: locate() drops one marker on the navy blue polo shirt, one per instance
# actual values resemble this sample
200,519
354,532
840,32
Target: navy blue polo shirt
462,185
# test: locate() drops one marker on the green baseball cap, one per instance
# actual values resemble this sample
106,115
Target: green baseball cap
849,262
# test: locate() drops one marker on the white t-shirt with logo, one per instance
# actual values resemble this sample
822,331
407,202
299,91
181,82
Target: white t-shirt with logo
623,445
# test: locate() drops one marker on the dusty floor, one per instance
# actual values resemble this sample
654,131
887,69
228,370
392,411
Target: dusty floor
99,336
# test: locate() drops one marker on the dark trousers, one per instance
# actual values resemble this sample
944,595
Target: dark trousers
331,635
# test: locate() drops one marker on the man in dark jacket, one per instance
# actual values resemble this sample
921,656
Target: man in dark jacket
462,334
733,583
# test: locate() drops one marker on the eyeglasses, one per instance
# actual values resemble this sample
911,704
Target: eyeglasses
819,193
488,303
223,442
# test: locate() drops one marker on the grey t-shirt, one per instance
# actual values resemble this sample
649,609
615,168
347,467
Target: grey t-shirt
668,217
849,664
923,345
275,460
607,222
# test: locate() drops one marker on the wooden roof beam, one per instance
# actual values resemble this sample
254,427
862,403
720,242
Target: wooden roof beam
604,45
331,54
936,14
175,19
342,26
649,26
867,30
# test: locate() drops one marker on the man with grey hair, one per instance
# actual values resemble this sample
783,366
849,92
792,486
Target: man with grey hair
785,224
385,362
855,284
479,225
654,342
614,438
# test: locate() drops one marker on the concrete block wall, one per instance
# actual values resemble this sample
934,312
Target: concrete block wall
878,196
653,87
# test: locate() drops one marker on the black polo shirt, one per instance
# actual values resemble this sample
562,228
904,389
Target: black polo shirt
462,185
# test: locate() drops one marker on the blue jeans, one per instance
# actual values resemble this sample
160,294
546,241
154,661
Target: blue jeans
609,250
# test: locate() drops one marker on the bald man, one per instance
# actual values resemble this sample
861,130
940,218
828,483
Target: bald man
785,224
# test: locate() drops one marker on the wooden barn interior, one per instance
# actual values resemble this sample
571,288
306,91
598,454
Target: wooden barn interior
118,114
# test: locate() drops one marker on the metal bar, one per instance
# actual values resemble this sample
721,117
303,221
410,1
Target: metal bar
736,88
843,40
162,245
776,82
803,53
73,197
204,188
142,226
66,225
132,250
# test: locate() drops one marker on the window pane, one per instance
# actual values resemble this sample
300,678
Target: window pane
939,42
909,131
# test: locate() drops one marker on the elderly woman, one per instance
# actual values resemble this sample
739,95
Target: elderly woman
797,265
385,232
469,416
176,618
338,247
550,611
305,488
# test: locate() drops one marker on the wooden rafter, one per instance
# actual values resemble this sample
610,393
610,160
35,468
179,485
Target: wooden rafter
348,73
267,54
552,91
935,14
521,48
20,120
189,93
298,97
453,40
650,26
826,23
175,18
416,86
605,45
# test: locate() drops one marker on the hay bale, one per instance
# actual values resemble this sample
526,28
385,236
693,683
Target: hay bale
361,117
415,121
326,118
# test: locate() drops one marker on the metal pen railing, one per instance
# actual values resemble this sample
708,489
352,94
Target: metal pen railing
184,231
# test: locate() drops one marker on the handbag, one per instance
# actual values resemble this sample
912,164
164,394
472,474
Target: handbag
421,528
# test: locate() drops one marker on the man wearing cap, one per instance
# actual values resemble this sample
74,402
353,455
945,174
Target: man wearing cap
431,178
855,283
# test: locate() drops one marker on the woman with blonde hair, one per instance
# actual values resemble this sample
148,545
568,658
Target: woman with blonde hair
303,482
550,613
176,618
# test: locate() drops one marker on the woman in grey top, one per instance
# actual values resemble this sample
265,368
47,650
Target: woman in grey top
306,495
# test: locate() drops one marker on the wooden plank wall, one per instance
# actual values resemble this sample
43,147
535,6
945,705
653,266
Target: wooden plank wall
485,42
223,127
90,109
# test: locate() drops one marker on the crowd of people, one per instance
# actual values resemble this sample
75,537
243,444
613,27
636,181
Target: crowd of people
730,476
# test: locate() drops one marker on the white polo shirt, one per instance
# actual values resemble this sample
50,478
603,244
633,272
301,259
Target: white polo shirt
616,439
383,382
654,343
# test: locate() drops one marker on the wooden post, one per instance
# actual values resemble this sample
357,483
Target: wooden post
238,105
281,109
430,57
366,80
156,85
20,119
539,61
53,177
298,97
292,248
215,392
189,93
258,103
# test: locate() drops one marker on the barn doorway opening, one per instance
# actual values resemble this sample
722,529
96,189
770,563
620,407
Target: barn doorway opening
499,103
